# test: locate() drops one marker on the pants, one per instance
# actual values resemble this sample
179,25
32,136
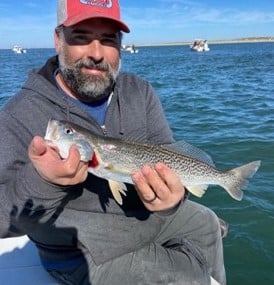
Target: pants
187,251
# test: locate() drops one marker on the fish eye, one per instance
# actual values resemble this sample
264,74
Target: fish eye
68,131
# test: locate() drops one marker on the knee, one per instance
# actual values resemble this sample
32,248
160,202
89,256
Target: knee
200,222
208,224
212,221
218,225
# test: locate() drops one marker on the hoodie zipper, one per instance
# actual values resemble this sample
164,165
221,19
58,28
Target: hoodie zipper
105,133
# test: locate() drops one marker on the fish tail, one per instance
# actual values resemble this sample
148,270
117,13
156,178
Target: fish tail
240,178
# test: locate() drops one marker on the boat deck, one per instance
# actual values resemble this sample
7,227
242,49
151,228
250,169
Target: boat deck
20,264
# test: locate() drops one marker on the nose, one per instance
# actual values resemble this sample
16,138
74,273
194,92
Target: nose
95,50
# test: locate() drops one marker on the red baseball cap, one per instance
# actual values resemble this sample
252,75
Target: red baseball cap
71,12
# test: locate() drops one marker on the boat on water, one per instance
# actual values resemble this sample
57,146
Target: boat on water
200,46
18,49
129,48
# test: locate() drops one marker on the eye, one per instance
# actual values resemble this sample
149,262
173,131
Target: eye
81,39
68,131
111,40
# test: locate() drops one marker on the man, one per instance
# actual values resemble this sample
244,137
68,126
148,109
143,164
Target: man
83,236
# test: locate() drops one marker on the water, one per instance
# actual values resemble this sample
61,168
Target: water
221,101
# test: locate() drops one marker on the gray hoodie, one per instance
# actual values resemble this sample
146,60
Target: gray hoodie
84,219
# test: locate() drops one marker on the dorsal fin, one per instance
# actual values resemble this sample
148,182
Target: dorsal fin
189,150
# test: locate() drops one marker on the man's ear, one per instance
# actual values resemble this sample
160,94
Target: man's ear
57,40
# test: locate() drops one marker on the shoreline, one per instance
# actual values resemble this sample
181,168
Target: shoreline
187,43
230,41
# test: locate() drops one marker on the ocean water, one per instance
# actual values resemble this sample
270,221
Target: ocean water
221,101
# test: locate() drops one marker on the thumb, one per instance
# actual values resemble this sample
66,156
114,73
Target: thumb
37,147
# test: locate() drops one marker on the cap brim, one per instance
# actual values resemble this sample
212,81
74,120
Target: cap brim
79,18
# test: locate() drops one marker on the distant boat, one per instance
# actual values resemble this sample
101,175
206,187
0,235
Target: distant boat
200,46
18,49
129,48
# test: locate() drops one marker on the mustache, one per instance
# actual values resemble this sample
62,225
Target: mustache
89,63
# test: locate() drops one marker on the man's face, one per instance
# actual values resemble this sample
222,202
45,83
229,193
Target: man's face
89,58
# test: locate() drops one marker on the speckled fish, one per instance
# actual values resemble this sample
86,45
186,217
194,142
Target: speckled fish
115,159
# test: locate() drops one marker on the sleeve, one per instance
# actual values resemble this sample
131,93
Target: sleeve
25,198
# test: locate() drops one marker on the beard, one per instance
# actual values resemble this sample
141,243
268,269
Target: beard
89,87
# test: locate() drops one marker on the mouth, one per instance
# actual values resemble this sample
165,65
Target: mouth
93,71
93,68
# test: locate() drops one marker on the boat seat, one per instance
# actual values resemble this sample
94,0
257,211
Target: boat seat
20,263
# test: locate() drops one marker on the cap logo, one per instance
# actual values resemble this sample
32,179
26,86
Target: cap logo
98,3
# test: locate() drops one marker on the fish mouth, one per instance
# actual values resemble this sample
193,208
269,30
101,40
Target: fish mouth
51,131
52,134
52,145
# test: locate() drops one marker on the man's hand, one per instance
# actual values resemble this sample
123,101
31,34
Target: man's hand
52,168
159,187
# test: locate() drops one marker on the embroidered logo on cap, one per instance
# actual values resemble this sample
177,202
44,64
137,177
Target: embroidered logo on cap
98,3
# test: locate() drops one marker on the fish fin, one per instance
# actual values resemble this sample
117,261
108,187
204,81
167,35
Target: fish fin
197,190
190,150
241,175
117,188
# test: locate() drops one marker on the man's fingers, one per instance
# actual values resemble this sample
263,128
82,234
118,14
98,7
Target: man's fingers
144,190
72,162
170,178
159,187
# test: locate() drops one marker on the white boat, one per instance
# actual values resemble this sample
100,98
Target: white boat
129,48
200,46
20,263
18,49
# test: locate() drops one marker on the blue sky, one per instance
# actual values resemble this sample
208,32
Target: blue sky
30,23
